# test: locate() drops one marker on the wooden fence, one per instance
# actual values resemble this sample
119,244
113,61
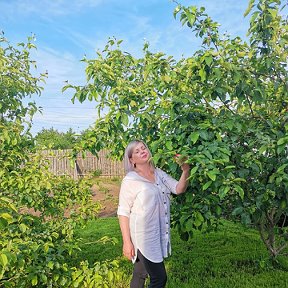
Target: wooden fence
61,164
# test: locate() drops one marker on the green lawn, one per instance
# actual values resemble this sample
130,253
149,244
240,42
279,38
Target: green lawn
234,257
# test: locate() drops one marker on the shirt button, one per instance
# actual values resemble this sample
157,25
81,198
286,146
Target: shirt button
164,202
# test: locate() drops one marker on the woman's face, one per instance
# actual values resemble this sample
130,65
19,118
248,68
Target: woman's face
140,154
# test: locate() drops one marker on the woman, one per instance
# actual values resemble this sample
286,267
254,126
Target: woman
144,214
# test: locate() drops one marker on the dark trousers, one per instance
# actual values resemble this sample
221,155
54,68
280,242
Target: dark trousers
142,268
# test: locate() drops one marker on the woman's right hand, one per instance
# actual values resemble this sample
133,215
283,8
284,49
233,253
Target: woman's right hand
128,250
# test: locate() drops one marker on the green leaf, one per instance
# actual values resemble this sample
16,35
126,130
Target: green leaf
3,223
206,185
282,141
237,211
156,158
218,210
124,119
34,280
202,74
240,191
223,191
230,124
281,149
23,227
198,219
282,167
208,59
239,180
169,145
249,8
262,149
43,278
203,134
193,171
211,175
133,103
230,167
78,281
197,223
176,10
50,264
8,217
191,18
56,277
46,247
63,281
273,12
3,260
110,276
245,219
194,137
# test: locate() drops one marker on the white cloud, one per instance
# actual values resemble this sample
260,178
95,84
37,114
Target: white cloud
46,8
79,39
67,31
58,110
174,40
60,67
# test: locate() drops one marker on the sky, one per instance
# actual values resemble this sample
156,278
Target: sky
67,30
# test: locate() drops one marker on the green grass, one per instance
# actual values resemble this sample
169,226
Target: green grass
234,257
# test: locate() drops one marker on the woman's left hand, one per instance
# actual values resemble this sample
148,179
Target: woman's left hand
185,167
183,181
180,159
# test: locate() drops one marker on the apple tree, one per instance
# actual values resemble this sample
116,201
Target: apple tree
225,108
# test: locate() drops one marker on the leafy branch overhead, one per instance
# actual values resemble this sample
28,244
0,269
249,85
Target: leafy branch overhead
225,108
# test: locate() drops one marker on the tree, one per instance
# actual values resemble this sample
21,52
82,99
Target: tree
53,139
36,250
17,80
225,108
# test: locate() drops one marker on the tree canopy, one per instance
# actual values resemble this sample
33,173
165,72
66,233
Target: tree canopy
53,139
37,235
225,108
17,80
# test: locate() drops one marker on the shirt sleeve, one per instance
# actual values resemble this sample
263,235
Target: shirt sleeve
126,199
169,181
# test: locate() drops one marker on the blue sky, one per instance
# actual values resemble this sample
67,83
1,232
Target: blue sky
66,30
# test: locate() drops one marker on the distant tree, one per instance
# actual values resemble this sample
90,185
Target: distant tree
52,138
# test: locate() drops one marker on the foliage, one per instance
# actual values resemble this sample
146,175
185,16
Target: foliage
225,108
37,250
17,80
97,173
53,139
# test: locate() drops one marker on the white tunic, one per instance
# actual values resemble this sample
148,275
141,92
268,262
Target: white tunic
147,205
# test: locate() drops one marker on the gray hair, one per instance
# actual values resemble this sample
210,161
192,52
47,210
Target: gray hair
128,154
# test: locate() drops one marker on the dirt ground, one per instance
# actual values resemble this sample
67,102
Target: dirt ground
106,191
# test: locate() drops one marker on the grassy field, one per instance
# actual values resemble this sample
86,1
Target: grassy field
234,257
